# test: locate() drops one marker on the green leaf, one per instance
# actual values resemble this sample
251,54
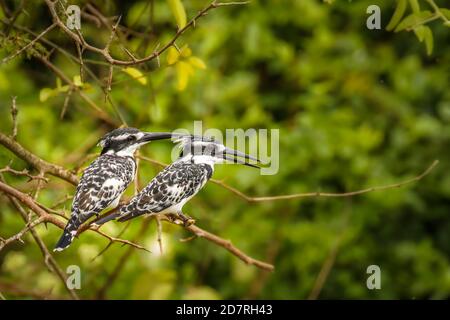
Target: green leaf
445,12
428,36
46,93
414,19
414,6
398,14
77,81
178,11
420,32
58,83
136,74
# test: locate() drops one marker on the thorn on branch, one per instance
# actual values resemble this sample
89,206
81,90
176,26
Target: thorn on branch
159,236
23,172
31,43
108,82
80,51
77,36
113,33
128,52
66,100
14,112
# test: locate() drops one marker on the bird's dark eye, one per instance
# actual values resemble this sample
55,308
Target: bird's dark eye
131,138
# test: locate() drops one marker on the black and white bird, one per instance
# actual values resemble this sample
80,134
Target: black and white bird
106,178
169,191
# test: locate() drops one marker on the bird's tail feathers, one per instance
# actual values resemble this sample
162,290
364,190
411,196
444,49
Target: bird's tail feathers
106,219
68,235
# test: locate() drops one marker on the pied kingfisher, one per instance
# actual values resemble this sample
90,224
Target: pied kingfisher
167,193
106,178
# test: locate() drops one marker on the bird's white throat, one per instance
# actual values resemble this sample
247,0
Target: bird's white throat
125,152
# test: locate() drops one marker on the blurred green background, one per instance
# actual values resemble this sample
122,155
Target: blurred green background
355,108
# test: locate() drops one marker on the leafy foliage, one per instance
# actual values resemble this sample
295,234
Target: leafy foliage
355,108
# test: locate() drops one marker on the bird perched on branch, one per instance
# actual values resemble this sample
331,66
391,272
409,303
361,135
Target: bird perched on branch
104,181
174,186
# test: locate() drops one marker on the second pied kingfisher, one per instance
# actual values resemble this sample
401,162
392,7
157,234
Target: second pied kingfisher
168,192
106,178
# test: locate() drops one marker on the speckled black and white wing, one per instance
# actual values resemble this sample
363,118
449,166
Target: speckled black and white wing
100,187
168,191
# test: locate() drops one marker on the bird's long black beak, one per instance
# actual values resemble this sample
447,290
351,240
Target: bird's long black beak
240,161
234,156
151,136
236,153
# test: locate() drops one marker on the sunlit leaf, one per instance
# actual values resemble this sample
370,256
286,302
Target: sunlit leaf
58,83
172,56
414,20
77,81
136,74
45,94
177,8
428,36
197,62
184,70
398,14
186,51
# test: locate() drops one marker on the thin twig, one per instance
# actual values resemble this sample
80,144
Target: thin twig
98,111
77,36
309,194
18,236
66,103
23,172
331,257
159,234
48,258
6,59
35,161
14,112
229,246
438,11
47,217
120,264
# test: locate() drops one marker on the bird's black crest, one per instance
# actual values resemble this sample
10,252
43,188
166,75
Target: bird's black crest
105,141
118,132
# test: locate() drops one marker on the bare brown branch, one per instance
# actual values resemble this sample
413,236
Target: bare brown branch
230,247
23,172
99,112
35,161
120,264
78,37
49,218
48,258
31,43
309,194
